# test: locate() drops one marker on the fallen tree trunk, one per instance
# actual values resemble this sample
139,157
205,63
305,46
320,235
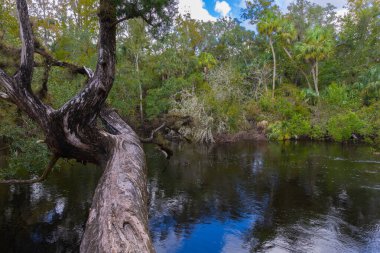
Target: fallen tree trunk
118,219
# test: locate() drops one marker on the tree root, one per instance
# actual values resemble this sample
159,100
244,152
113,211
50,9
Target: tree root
44,175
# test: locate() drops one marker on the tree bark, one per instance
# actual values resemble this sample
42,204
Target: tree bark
274,65
140,89
118,220
118,217
316,78
314,72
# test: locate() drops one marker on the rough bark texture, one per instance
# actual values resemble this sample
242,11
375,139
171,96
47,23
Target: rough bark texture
118,217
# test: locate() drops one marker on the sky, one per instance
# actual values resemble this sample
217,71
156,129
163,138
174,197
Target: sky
211,10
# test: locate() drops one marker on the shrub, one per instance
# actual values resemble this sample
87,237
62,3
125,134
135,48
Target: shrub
342,126
293,128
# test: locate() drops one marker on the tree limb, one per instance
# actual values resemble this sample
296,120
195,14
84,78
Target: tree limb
11,52
25,73
54,62
150,138
44,175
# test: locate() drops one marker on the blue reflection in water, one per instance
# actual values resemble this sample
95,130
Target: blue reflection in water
209,236
265,198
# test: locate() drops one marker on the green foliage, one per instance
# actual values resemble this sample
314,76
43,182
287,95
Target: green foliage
27,154
309,96
297,126
342,126
369,85
158,100
339,97
218,73
318,44
63,86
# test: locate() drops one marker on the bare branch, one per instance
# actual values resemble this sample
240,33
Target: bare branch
44,175
120,20
25,72
54,62
11,52
150,138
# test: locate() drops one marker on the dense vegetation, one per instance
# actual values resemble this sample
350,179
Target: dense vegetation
306,73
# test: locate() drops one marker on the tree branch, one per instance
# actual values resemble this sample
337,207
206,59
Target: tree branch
54,62
150,138
11,52
44,175
25,73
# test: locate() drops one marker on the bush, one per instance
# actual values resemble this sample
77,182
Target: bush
293,128
338,97
342,126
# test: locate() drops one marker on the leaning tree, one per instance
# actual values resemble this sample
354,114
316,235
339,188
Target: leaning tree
118,217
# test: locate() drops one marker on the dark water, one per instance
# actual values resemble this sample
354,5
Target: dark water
233,198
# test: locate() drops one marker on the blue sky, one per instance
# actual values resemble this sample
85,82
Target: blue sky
210,10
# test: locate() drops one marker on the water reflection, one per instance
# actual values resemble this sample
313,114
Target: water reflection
234,198
265,198
48,216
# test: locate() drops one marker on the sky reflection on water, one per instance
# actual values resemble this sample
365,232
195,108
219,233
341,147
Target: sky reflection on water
244,197
266,198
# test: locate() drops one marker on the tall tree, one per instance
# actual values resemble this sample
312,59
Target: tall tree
118,217
287,39
266,16
318,45
136,42
269,26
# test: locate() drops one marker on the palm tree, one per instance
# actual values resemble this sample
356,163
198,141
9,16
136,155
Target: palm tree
318,45
269,25
288,35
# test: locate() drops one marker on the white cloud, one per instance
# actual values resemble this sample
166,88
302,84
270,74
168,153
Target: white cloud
196,9
223,8
243,4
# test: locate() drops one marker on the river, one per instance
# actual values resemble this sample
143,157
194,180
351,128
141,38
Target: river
243,197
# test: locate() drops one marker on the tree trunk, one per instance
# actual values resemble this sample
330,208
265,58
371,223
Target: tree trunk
303,72
118,220
314,72
118,217
274,66
316,78
140,89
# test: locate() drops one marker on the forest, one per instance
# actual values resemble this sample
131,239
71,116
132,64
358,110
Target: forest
305,73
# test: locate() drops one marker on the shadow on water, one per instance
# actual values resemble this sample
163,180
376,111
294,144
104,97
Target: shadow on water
266,198
48,216
244,197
